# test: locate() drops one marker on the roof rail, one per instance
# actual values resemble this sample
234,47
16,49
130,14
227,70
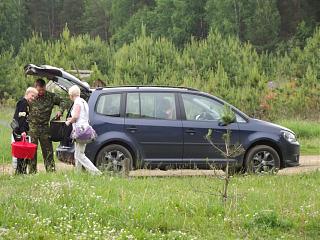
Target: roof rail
160,86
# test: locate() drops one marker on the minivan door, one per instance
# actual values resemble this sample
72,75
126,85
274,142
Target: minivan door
152,120
201,113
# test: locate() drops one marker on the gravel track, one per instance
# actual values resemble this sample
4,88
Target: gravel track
307,164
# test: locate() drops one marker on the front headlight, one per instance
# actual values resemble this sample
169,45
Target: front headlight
290,137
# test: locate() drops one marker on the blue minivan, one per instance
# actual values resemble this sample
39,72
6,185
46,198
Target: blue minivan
155,126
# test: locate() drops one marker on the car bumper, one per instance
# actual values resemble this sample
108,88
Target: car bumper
291,154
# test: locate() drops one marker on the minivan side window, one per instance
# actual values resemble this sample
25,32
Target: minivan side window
133,105
109,105
200,108
151,105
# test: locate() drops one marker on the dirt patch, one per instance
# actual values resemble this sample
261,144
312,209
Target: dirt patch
7,168
307,164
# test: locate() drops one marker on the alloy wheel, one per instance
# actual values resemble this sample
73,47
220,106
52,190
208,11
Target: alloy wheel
263,161
114,160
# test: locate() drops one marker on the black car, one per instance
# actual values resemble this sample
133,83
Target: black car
166,126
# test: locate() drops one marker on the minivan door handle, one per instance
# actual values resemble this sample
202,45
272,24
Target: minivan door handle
191,131
132,129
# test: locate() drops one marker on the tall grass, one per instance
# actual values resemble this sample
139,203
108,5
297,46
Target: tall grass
5,134
303,128
79,206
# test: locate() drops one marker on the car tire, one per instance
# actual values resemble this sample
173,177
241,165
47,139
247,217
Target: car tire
112,158
262,158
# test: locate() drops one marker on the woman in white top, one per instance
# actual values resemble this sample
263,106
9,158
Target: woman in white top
80,117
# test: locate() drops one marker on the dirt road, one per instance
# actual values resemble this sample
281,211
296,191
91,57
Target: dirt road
307,164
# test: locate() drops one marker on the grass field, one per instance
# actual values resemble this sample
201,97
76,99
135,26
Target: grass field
80,206
308,135
5,134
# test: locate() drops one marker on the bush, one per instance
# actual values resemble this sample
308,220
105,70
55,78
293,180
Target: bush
263,85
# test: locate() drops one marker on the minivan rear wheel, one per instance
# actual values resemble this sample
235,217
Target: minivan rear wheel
262,158
115,158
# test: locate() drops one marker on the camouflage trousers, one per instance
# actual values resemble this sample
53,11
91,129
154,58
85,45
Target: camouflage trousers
42,135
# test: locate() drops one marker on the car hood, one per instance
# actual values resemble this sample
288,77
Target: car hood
57,75
270,126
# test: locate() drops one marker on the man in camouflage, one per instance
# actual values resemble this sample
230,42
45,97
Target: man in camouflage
39,118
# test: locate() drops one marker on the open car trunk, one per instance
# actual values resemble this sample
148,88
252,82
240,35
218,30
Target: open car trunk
59,77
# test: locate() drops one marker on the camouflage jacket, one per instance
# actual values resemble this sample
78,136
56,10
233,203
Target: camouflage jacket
41,109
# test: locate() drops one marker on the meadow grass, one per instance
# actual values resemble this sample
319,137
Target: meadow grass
79,206
5,134
303,128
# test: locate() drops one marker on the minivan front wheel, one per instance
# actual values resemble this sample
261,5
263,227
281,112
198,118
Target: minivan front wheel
115,158
262,158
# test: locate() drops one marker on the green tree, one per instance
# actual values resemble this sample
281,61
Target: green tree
97,18
43,16
256,21
126,34
13,27
123,10
176,20
179,20
72,15
6,62
226,16
145,61
263,26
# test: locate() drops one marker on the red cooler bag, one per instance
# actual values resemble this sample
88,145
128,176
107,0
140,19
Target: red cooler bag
23,149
